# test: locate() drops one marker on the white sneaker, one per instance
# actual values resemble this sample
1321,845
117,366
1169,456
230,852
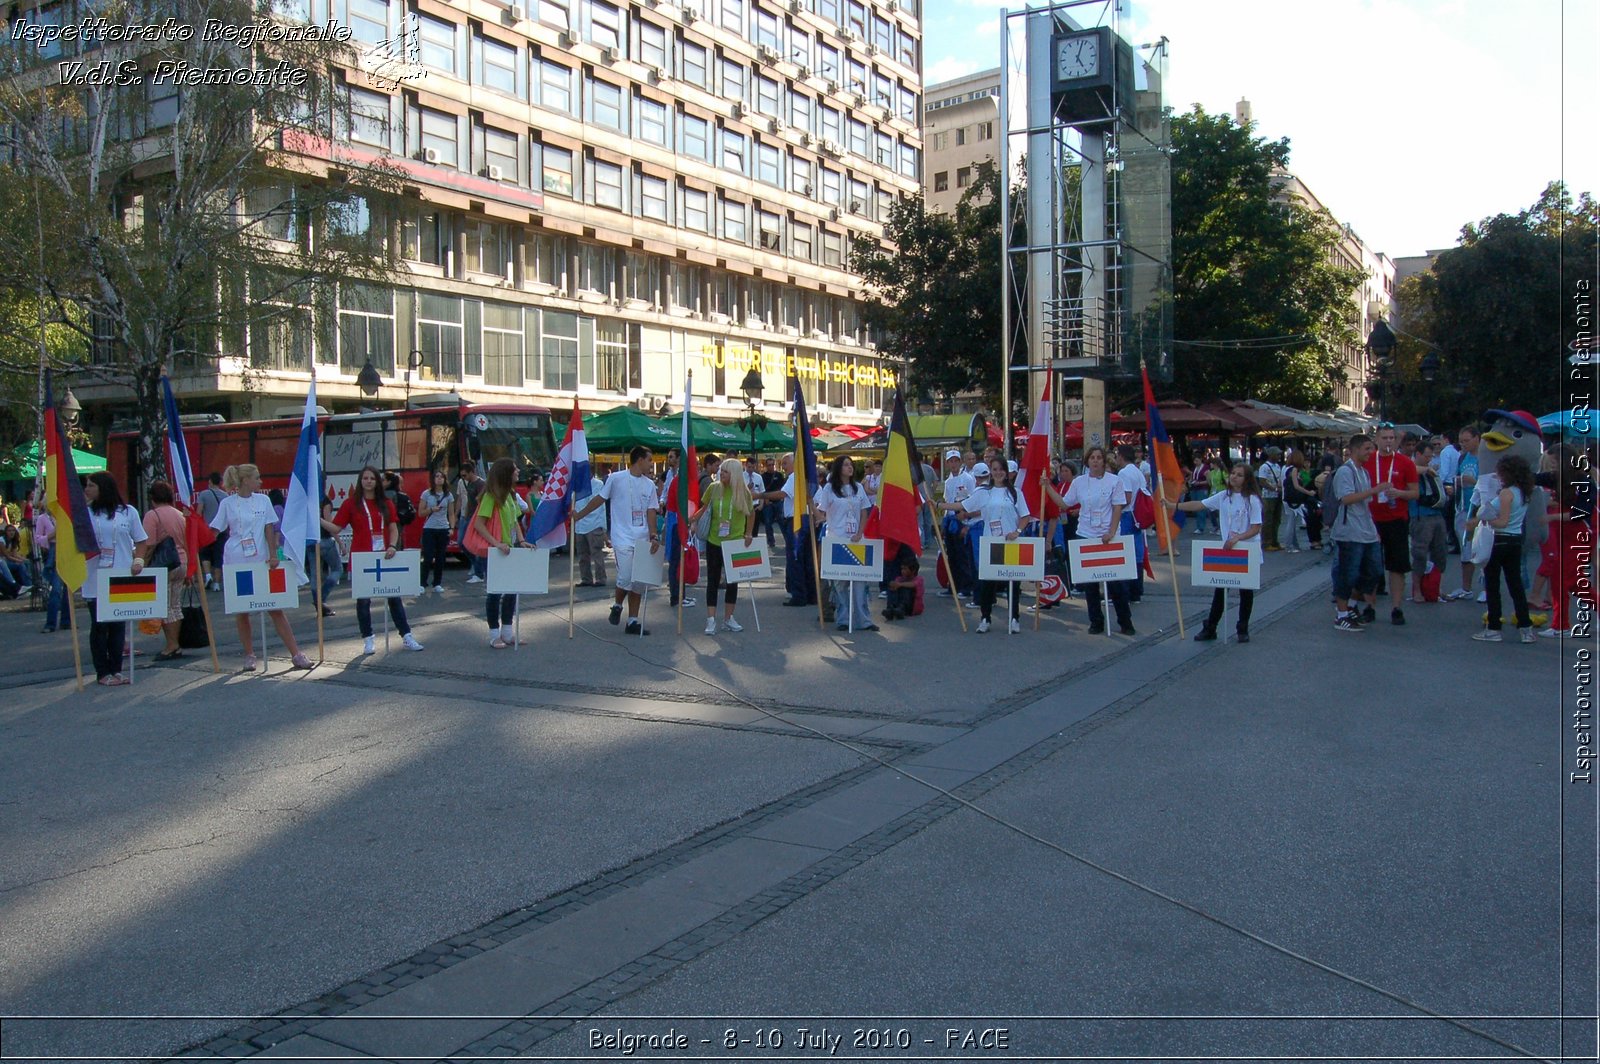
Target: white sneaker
689,602
883,594
369,647
1552,633
711,626
508,635
410,642
1488,635
983,626
474,579
1014,627
1483,596
731,625
1458,593
438,589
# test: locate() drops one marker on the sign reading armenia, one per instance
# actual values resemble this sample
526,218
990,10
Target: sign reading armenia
739,357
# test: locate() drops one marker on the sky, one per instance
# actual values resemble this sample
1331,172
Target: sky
1407,118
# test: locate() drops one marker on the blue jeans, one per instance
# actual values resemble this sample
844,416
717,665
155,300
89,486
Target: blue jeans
55,603
1357,569
851,595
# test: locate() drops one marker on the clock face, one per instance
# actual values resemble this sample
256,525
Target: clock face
1077,57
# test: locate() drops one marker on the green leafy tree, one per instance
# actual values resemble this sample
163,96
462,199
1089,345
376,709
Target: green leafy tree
934,290
1259,310
1497,312
164,224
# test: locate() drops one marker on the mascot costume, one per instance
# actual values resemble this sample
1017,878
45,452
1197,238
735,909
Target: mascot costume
1516,432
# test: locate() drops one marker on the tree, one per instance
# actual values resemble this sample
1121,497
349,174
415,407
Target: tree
1259,310
1497,312
168,216
934,290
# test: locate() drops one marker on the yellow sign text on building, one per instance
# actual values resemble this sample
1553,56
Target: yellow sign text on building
740,357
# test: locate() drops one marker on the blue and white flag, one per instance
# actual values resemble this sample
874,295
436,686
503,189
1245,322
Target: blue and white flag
179,470
567,481
302,509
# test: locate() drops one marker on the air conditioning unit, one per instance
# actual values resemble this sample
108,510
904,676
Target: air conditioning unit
766,54
806,138
855,206
658,404
805,72
428,155
738,110
654,75
849,34
610,55
644,403
805,190
769,240
689,16
872,49
516,13
566,39
773,125
833,86
830,147
796,6
493,173
833,214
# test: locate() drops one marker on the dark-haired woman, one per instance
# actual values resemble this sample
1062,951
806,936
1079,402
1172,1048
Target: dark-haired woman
498,521
165,521
117,532
843,504
370,517
436,508
1502,503
1238,510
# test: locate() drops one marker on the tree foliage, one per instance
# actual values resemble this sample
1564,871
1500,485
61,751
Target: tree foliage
933,290
156,220
1260,311
1497,310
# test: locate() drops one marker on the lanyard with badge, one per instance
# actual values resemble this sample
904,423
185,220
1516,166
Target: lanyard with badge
247,538
724,513
376,538
1377,467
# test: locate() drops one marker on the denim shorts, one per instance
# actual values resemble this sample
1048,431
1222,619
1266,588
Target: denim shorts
1357,568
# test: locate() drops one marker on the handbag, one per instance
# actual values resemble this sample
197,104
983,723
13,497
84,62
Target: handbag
474,542
192,629
165,556
1482,544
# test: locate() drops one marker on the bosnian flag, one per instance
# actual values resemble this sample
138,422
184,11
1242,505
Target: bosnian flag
302,510
568,480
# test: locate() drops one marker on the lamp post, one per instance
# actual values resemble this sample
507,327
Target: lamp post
1429,369
752,388
69,410
413,364
1380,345
368,380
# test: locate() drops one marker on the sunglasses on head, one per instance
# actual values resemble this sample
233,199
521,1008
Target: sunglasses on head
1386,424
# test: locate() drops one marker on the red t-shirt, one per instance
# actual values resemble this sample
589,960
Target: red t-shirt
369,526
1398,470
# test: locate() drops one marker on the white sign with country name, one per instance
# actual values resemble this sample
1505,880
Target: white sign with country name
374,576
855,560
1094,562
125,597
522,571
649,570
1010,559
741,563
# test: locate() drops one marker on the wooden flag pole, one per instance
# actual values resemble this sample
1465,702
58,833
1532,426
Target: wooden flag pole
816,568
1172,533
322,651
77,651
211,635
572,571
949,571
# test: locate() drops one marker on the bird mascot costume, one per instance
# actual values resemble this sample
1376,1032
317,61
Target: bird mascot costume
1516,432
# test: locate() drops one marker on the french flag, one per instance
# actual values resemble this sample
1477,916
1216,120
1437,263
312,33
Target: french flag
568,480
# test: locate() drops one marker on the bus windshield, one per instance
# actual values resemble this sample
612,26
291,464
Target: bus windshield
524,438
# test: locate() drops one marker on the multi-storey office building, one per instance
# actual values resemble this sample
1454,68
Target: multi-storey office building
600,197
960,129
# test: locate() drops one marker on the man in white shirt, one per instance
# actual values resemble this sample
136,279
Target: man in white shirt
632,495
1134,484
589,536
1269,478
958,484
1449,464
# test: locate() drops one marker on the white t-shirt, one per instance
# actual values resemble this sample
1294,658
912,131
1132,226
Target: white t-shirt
595,521
116,536
245,519
1235,513
1270,477
788,496
845,514
1133,480
998,514
959,486
1095,496
632,498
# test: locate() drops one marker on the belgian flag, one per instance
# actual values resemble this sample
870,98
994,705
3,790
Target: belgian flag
899,497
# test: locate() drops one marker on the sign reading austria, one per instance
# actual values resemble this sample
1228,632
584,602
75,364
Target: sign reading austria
1096,562
1010,559
857,560
374,576
746,563
125,597
1214,565
253,588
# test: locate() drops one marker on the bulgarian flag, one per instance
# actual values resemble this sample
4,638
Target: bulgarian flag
75,538
687,495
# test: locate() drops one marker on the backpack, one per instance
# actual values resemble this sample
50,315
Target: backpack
1429,493
1144,510
404,511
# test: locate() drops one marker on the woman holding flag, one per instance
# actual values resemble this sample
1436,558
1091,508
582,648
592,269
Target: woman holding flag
247,517
374,527
1238,510
732,517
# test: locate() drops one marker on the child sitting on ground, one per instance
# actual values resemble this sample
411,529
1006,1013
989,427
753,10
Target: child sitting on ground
905,592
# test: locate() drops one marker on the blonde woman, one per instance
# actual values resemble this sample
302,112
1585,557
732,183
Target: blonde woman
252,529
732,518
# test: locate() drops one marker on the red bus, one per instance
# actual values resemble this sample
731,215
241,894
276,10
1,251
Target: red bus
433,433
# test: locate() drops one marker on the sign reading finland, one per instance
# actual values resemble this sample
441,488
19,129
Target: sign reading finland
374,576
253,588
125,597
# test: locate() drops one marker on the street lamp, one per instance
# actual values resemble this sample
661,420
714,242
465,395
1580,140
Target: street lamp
368,380
69,409
752,388
413,364
1429,370
1380,345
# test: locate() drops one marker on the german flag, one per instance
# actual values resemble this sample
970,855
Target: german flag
75,538
123,590
1011,553
898,496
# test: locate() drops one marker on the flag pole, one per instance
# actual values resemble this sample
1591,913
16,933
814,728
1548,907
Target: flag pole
1172,532
572,569
949,572
317,595
810,529
77,651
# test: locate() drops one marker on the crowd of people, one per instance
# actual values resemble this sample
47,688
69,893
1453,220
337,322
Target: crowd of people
1390,512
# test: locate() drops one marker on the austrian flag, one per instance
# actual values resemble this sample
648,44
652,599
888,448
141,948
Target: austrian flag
1103,555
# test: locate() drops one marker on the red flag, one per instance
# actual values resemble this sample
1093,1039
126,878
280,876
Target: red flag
1035,464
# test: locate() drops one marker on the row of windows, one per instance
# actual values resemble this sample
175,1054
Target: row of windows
941,180
951,101
973,134
525,160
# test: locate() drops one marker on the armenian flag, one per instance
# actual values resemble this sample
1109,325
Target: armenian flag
1011,554
1233,560
1164,462
127,590
899,497
75,538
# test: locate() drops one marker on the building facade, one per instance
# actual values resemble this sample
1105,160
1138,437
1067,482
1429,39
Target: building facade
960,127
600,197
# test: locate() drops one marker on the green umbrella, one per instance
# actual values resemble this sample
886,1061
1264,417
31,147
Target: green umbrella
23,462
621,428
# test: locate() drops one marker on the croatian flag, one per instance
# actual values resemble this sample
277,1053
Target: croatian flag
302,510
568,480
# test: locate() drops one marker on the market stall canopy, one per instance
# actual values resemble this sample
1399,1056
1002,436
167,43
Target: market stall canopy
1250,419
1309,423
1179,416
1571,425
622,428
949,430
22,463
